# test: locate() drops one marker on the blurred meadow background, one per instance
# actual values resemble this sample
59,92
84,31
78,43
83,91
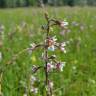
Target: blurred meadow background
20,25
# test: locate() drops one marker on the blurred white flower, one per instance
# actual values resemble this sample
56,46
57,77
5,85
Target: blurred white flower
74,23
64,24
33,79
0,56
74,67
82,27
2,27
50,84
62,47
34,90
63,44
25,94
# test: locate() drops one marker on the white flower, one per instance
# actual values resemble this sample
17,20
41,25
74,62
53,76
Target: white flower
62,66
34,90
51,48
63,44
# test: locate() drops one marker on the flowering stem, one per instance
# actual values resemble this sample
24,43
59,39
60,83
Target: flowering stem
48,93
46,56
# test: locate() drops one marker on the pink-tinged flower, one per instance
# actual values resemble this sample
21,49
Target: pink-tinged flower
52,41
60,65
63,24
63,49
49,67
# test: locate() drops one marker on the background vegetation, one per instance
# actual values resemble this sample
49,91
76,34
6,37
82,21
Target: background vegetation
25,3
22,27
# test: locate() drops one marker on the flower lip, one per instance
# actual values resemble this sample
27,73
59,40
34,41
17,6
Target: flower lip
60,66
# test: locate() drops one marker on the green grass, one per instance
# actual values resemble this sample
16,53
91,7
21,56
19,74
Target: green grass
81,50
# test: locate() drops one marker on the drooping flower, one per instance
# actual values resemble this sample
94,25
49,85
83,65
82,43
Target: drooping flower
60,66
50,67
51,43
51,48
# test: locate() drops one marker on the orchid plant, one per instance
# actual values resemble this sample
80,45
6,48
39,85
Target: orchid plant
51,63
50,44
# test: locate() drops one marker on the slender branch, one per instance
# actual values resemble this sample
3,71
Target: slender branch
21,52
16,56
